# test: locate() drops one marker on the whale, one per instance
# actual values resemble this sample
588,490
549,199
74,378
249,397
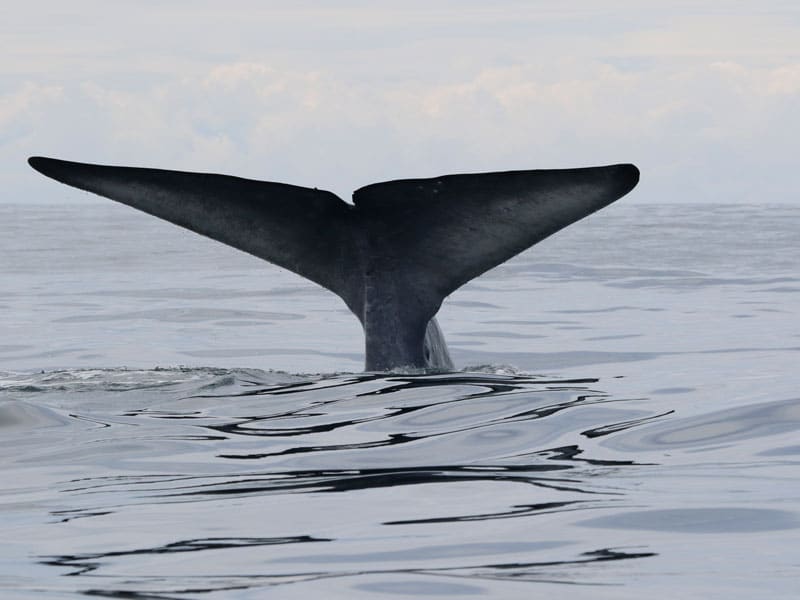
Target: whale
392,255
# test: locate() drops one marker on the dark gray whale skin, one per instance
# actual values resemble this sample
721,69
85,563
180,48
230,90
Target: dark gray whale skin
393,255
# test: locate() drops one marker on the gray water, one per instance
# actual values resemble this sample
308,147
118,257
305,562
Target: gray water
180,420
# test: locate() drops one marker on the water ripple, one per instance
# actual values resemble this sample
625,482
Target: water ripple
389,482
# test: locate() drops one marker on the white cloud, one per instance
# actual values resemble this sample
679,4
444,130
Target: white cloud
338,99
20,108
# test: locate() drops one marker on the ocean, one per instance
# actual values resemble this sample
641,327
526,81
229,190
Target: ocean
181,420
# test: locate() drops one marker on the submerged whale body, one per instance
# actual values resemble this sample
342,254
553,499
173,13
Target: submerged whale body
393,255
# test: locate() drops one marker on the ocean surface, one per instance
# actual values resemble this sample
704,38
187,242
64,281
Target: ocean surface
181,420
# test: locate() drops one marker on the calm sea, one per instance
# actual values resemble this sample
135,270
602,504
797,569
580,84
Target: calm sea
181,420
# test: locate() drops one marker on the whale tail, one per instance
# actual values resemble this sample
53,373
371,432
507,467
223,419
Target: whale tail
393,255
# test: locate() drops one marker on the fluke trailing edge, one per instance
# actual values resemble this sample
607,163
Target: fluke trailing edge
393,255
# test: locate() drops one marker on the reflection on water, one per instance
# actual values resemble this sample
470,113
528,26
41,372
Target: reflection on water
424,466
172,483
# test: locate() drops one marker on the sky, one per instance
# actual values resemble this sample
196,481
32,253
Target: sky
703,96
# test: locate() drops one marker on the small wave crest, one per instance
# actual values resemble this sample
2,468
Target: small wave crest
122,379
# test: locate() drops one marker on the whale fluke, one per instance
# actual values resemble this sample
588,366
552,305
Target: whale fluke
393,255
304,230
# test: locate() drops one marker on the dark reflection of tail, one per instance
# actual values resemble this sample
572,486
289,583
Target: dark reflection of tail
550,571
84,563
328,440
348,480
489,387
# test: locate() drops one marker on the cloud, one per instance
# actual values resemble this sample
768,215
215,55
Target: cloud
22,108
338,99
